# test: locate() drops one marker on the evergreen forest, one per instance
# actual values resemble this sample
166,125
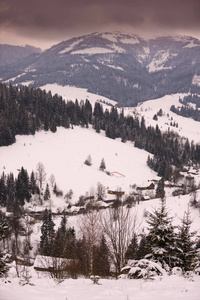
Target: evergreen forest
25,111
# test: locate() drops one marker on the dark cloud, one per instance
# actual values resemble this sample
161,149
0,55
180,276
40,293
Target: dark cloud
55,19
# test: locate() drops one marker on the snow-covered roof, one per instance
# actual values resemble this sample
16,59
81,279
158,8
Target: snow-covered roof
46,262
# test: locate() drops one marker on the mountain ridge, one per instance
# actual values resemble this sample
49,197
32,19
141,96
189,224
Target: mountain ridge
11,53
122,67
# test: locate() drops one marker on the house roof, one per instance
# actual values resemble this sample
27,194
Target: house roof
46,262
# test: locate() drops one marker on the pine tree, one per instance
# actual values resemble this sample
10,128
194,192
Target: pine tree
3,232
16,223
161,237
32,183
22,186
160,191
3,192
82,254
47,193
47,237
101,259
60,239
70,243
132,250
102,165
10,191
143,247
88,160
186,246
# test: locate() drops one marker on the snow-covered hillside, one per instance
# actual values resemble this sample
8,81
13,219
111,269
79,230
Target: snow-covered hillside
63,155
187,128
73,93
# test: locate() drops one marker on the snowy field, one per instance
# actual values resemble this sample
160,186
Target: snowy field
169,287
186,127
63,154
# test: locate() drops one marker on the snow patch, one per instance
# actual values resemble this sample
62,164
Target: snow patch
93,50
196,80
158,61
14,78
191,45
73,93
27,83
110,37
115,67
118,49
131,40
67,49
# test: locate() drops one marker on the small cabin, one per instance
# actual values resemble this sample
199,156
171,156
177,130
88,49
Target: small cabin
52,264
145,198
149,187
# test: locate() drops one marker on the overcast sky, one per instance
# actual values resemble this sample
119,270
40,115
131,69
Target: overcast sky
43,23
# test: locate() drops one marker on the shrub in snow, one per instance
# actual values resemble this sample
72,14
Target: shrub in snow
177,271
143,268
88,161
95,279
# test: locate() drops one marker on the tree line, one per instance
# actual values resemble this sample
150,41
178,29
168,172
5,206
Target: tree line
25,111
105,243
186,110
24,188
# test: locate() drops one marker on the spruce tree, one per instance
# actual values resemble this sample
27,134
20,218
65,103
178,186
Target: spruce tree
3,192
70,243
132,250
186,244
47,193
102,165
10,191
160,191
143,247
101,259
3,232
161,237
32,184
47,237
60,239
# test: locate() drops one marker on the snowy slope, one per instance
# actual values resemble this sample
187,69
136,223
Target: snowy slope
186,127
73,93
63,155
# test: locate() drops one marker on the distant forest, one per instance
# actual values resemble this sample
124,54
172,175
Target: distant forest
186,110
26,110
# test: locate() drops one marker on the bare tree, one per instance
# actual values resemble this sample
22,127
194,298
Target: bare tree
90,227
40,173
28,223
118,228
52,180
100,191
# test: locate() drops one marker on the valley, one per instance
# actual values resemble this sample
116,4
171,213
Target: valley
92,142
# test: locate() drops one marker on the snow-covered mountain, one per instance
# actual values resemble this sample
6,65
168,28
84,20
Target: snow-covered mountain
122,67
10,54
